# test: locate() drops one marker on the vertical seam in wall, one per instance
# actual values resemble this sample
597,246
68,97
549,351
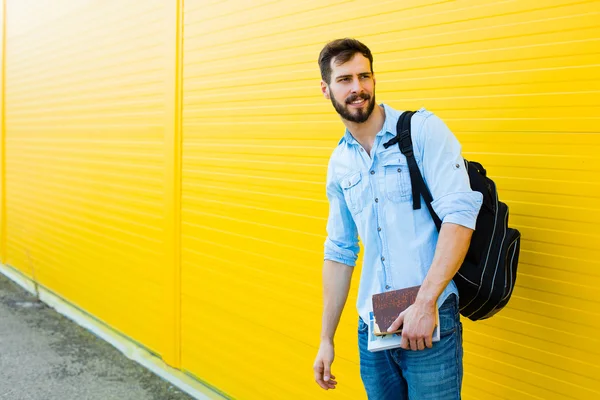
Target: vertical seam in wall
178,137
3,138
172,354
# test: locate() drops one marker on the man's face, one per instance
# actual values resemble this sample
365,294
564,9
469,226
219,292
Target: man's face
352,89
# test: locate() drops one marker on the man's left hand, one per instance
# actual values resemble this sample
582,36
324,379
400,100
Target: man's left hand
418,322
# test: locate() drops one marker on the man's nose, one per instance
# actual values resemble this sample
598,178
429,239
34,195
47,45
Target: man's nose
356,86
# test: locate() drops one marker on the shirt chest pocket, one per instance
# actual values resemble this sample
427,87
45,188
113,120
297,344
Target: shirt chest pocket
397,179
355,191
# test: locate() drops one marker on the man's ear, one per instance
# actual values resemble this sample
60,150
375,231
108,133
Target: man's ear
325,90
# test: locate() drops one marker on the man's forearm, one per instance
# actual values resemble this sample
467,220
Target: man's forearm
453,244
336,285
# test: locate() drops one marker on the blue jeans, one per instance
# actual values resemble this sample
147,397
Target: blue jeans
400,374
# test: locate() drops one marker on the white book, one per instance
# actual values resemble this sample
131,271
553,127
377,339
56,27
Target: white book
378,343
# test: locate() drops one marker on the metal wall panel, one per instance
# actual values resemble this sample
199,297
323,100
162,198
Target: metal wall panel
518,84
85,162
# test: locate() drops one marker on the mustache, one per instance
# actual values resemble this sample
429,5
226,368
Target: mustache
354,97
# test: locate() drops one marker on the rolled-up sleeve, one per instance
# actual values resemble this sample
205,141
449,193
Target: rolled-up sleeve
341,244
446,176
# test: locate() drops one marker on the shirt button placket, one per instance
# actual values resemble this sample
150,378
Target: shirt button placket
387,287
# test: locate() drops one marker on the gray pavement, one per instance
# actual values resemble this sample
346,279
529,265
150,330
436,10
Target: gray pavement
45,356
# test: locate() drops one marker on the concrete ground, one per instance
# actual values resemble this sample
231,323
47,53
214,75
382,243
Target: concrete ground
45,356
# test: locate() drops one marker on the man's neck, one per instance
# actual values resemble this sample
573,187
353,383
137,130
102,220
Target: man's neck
365,133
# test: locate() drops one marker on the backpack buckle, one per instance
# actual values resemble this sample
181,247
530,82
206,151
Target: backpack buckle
406,144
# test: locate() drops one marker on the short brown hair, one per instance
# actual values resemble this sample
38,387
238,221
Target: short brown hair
342,50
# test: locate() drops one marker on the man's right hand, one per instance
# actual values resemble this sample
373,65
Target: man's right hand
322,366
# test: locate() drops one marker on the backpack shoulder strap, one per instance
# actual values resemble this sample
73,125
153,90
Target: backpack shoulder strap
403,132
419,188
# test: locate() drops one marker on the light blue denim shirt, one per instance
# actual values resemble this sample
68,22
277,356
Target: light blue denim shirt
371,197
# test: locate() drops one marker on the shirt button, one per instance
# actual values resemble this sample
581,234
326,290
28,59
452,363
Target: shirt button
376,200
372,172
378,229
382,258
387,286
361,149
399,169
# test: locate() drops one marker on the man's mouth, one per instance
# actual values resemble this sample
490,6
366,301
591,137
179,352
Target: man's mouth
357,102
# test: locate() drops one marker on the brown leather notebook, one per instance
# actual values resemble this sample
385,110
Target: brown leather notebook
388,305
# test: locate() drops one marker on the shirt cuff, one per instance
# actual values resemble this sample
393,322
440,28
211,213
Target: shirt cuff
338,254
459,208
468,220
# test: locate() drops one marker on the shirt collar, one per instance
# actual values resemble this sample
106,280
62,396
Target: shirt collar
389,125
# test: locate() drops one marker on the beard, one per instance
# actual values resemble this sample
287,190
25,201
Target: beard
358,115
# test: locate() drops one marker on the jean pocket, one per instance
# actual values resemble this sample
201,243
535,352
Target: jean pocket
362,326
449,316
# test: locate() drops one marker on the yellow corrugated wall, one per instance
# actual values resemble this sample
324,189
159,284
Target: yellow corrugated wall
86,129
101,209
518,83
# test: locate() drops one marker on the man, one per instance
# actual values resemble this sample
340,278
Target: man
369,193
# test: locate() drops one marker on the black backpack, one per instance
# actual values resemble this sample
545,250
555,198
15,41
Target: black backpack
486,278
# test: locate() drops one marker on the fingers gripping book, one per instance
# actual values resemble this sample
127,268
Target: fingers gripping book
387,307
